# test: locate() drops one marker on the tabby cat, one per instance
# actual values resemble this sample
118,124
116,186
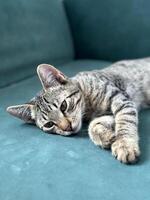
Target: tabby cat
110,98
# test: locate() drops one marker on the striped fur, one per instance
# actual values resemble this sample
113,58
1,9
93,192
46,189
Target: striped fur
109,98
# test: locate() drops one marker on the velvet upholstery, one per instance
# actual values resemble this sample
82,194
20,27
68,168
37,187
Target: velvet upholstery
110,30
32,32
35,165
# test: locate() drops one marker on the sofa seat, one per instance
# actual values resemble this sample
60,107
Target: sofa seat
35,165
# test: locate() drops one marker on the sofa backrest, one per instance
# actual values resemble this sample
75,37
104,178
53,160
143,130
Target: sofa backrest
110,29
32,32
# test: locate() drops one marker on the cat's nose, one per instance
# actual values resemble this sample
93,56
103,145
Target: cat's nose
69,127
65,125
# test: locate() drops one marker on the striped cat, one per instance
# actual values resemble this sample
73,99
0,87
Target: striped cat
110,98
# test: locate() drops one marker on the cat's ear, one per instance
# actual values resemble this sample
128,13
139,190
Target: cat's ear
25,112
50,76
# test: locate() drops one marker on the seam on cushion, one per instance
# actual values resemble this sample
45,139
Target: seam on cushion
16,82
71,33
31,75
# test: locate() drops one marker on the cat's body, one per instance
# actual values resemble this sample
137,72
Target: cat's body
109,98
131,77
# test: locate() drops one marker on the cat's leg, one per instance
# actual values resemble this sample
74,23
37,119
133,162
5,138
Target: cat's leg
101,131
146,88
126,147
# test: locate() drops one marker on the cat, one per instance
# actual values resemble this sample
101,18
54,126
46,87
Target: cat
110,98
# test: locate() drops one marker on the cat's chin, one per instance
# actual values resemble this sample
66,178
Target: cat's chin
68,134
74,131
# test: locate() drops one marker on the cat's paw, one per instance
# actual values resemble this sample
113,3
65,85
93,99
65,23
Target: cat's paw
101,135
126,150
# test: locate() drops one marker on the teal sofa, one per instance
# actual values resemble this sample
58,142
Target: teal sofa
73,35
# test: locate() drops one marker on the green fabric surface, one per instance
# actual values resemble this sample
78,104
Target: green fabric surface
32,32
35,165
110,29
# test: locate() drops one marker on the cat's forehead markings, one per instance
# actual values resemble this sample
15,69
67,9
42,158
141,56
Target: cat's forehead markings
55,94
55,105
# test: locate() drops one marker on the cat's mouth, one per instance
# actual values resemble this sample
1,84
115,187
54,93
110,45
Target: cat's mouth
74,130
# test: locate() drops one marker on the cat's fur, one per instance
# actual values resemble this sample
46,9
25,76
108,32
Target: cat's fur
109,98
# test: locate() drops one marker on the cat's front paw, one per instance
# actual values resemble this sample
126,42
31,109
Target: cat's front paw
101,135
126,150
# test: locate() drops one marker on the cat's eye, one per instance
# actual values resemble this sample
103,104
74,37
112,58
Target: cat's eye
49,124
63,106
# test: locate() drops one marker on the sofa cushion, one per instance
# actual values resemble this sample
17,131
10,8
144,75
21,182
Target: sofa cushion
35,165
110,30
32,32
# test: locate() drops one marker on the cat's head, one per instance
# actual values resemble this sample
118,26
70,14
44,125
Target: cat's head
58,108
